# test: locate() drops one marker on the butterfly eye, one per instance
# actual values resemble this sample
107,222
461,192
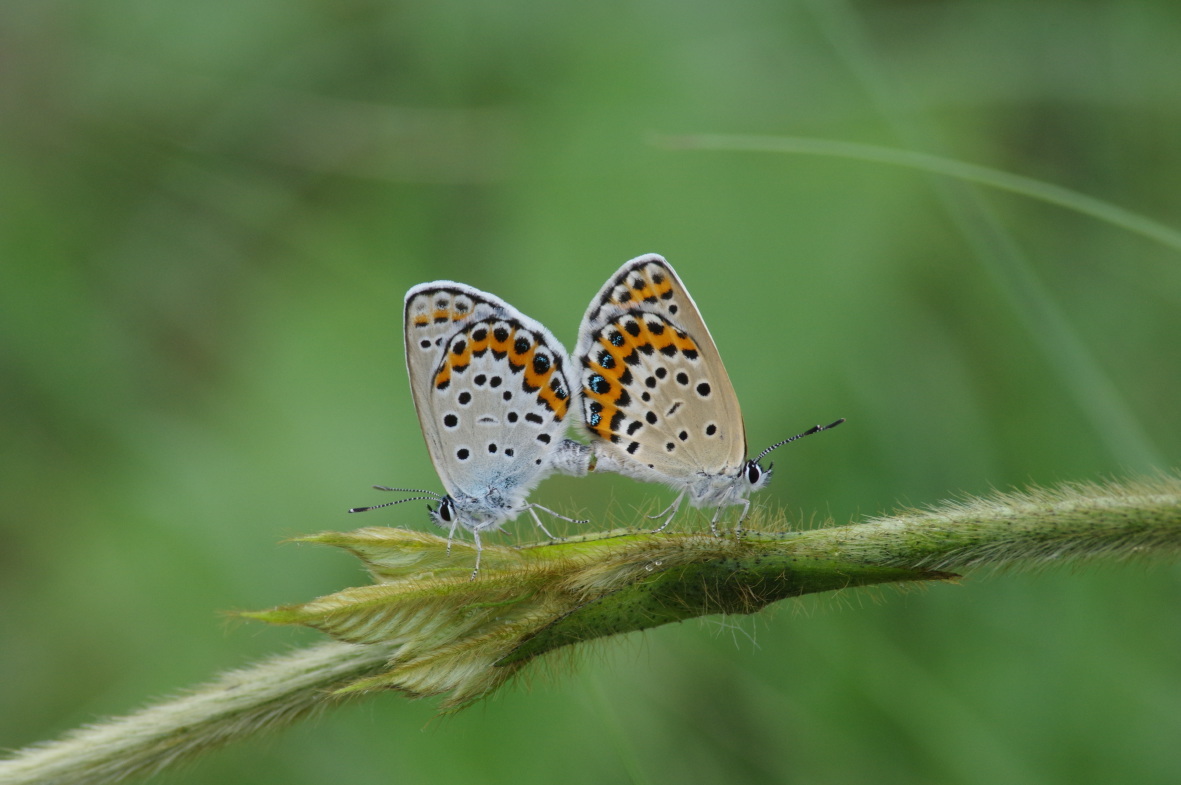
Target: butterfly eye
445,511
753,472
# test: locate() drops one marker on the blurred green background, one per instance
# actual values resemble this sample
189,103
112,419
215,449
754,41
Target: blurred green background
209,213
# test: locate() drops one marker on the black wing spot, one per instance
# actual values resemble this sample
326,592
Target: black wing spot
509,452
669,447
544,438
683,435
462,454
492,447
682,378
711,429
480,380
635,426
651,418
631,448
458,348
703,389
534,418
450,420
616,421
464,398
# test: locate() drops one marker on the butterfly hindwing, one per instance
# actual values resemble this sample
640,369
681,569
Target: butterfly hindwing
654,391
492,394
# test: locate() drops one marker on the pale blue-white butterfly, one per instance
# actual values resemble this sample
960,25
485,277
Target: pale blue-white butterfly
655,397
492,389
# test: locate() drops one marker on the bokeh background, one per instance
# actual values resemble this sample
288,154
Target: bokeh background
209,213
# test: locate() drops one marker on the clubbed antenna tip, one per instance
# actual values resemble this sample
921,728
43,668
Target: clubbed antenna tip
809,432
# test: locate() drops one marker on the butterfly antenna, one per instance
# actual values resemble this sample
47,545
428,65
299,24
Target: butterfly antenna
406,490
809,432
428,495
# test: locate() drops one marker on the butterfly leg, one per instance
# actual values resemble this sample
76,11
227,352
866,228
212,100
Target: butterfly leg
451,536
671,510
713,522
537,520
556,515
479,551
745,510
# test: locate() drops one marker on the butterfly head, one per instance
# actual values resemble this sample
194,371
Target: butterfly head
489,511
754,475
445,514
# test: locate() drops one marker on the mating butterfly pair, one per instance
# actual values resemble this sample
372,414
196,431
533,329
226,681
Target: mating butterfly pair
493,388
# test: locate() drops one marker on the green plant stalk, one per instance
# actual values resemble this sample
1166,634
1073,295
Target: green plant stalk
236,705
425,629
972,173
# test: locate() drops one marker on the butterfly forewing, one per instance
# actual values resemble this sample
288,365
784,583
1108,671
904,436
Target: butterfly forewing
490,388
653,384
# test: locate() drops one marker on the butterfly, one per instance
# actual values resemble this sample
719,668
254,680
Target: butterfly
656,398
492,390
